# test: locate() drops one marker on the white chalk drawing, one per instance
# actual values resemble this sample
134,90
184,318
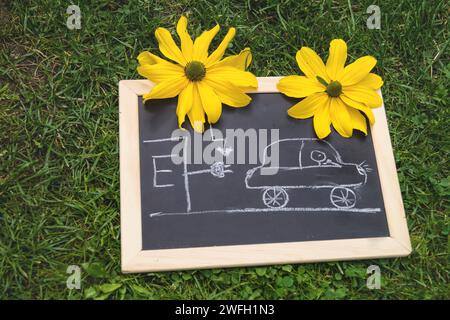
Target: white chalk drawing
217,169
315,158
164,139
156,171
343,197
225,151
269,210
311,162
275,197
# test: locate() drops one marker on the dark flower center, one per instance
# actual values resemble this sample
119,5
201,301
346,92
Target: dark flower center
195,70
334,88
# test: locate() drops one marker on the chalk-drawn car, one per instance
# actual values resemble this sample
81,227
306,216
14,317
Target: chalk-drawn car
318,166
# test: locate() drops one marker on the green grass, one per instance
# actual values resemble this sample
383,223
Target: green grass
59,164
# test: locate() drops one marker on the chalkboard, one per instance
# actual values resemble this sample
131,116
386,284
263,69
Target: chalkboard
322,189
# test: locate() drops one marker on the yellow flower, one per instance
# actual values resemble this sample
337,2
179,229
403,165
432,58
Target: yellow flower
202,81
334,94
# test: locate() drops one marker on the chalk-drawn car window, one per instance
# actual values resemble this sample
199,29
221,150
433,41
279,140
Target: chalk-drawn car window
316,159
286,147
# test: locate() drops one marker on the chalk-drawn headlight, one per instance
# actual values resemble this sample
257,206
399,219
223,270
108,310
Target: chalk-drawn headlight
361,170
218,170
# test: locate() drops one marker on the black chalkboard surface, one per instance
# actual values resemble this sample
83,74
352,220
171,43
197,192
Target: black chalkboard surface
324,190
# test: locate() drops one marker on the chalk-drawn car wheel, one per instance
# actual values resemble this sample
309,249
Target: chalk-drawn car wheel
275,197
343,198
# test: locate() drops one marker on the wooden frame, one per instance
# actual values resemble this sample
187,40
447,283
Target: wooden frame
134,259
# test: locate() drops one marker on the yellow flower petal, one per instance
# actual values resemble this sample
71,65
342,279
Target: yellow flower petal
340,117
356,71
336,58
358,120
210,102
240,61
311,64
359,106
299,86
228,93
322,120
168,47
160,71
201,44
372,80
197,115
241,79
219,52
187,45
146,57
308,106
185,101
363,94
167,89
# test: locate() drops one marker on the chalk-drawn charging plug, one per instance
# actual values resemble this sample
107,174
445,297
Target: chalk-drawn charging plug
218,169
